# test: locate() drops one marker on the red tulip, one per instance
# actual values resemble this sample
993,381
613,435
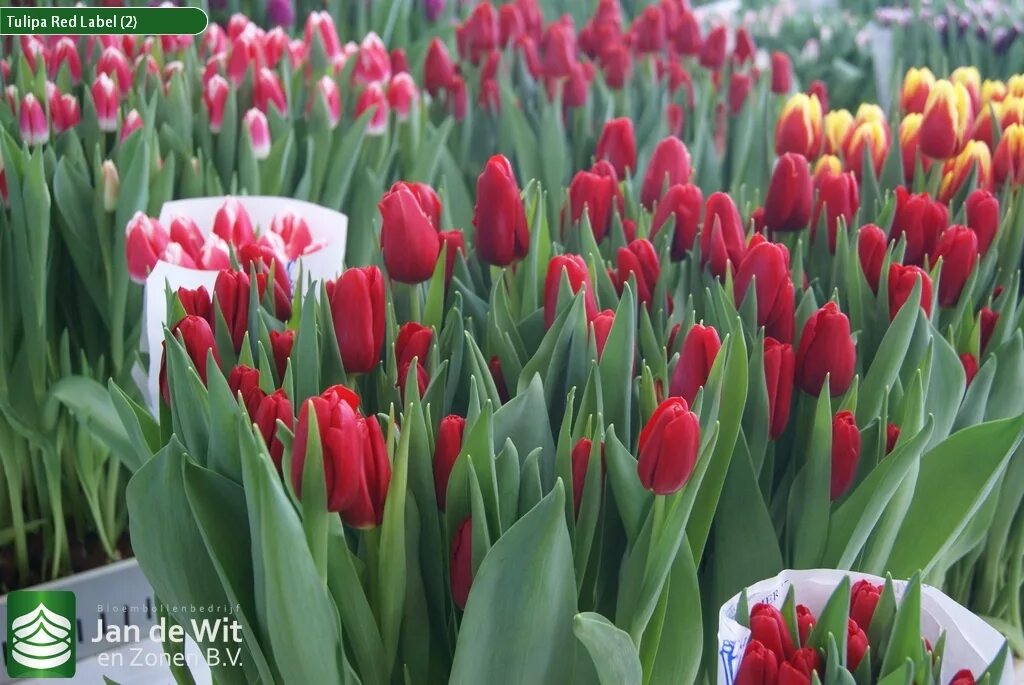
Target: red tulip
145,242
669,166
947,120
760,666
65,114
438,69
649,30
684,202
413,342
799,128
196,302
975,159
409,239
197,337
805,620
864,598
372,61
962,677
356,300
722,238
739,86
668,447
245,380
983,217
446,451
871,248
970,364
602,325
575,269
826,349
845,452
460,563
273,408
782,73
767,266
901,284
921,220
910,147
712,52
499,217
856,645
958,250
778,374
892,435
617,144
455,243
402,95
580,461
357,470
478,35
232,223
1008,160
837,197
806,660
458,100
788,202
616,62
263,261
639,259
281,344
768,627
373,99
595,194
494,366
745,48
558,50
114,63
687,39
695,361
989,319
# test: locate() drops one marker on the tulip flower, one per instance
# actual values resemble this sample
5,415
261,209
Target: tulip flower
373,100
947,120
595,194
616,63
845,452
970,79
668,447
402,95
356,300
988,319
826,349
920,220
65,114
455,243
970,364
186,233
1008,163
320,26
827,165
258,130
872,135
111,184
768,627
245,381
271,409
871,248
975,157
601,325
962,677
294,233
510,24
836,125
892,435
575,269
268,92
281,343
639,259
669,165
145,241
788,201
478,35
580,462
64,54
722,237
197,337
910,144
778,375
917,84
838,198
446,450
113,63
438,69
782,73
32,122
460,563
499,217
357,470
213,255
617,144
800,668
409,239
413,341
739,86
215,96
674,118
983,217
498,376
695,361
767,266
805,620
760,666
856,645
685,203
372,62
712,51
864,596
232,223
232,293
901,284
687,39
799,128
958,249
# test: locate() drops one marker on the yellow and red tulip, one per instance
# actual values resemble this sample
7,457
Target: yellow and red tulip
955,171
947,119
837,125
799,128
1008,162
917,84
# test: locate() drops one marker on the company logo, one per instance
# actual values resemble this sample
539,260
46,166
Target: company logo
41,634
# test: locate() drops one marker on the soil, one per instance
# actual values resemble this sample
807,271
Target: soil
86,553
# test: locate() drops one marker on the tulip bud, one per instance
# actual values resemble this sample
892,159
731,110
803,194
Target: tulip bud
845,453
327,91
760,666
64,112
712,52
837,124
892,435
245,381
111,183
787,204
446,450
947,120
983,217
838,197
580,462
460,563
975,157
281,343
640,259
114,63
402,95
132,123
145,241
357,470
963,677
856,645
438,69
255,124
372,62
271,409
901,284
782,73
864,598
617,144
958,249
356,300
805,620
232,223
799,128
722,237
871,247
196,302
767,266
826,349
455,243
65,53
669,166
499,217
768,627
910,143
668,447
373,99
34,128
739,86
649,30
215,96
478,35
684,202
695,361
602,326
920,219
1008,163
801,667
970,364
594,193
872,135
686,38
576,271
498,376
267,92
409,239
616,62
294,233
778,375
917,85
320,25
197,337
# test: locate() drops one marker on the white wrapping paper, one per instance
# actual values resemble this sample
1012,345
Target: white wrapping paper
970,642
327,228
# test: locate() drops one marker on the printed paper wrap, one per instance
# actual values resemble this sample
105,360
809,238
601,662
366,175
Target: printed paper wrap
970,642
328,228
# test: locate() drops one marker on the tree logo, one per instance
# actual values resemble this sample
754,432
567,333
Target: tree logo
41,636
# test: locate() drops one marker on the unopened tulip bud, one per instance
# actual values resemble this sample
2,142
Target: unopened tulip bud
460,563
114,63
685,203
374,100
145,241
948,118
215,96
872,135
669,166
499,217
255,123
799,128
446,450
111,184
438,69
402,95
788,201
700,348
838,198
356,301
668,447
409,237
837,125
617,144
768,626
958,250
856,645
268,92
845,453
871,247
132,123
910,144
983,217
327,91
778,375
782,73
575,270
1008,163
955,172
864,596
722,239
34,128
917,84
826,349
760,666
766,265
640,260
712,52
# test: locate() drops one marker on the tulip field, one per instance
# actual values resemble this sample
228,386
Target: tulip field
466,341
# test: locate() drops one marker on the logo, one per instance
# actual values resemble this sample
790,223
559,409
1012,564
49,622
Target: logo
41,636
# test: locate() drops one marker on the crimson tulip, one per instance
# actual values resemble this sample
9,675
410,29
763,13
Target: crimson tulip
779,364
602,326
271,409
799,128
970,364
281,343
767,266
245,380
695,361
983,217
580,462
901,284
864,596
617,144
958,250
871,248
669,165
768,626
845,452
145,242
479,34
838,197
782,73
722,238
805,621
988,320
438,68
413,342
356,299
712,51
409,239
826,349
197,337
962,677
921,220
595,194
760,666
685,202
460,563
640,259
499,217
856,645
446,450
575,269
787,205
892,435
668,447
